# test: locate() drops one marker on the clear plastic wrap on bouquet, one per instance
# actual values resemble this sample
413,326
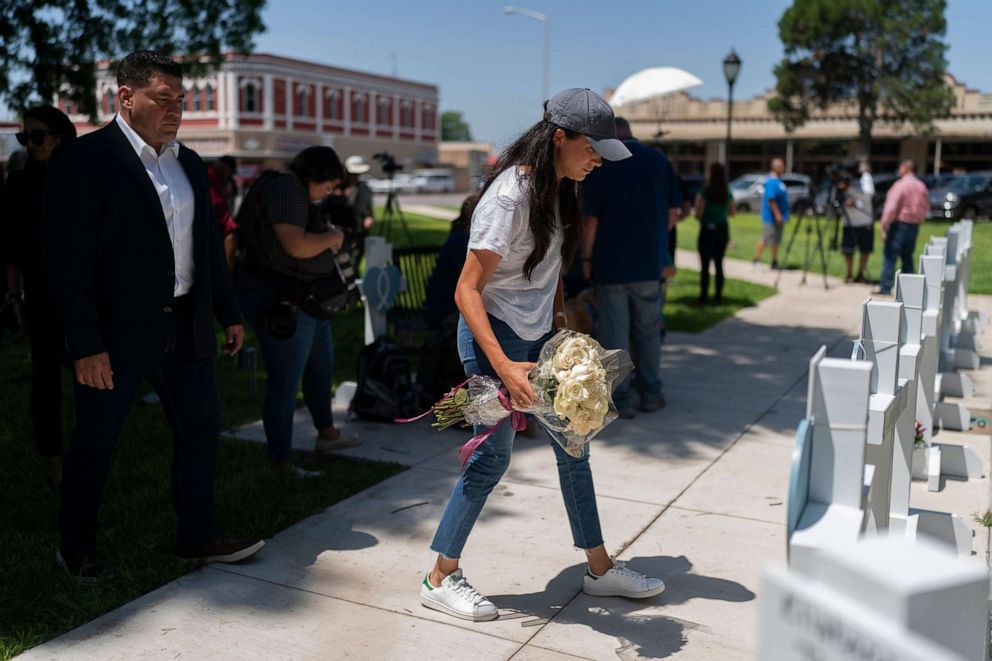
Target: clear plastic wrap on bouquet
487,402
574,382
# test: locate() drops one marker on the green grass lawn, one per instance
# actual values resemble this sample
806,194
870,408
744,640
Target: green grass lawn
38,602
684,313
745,232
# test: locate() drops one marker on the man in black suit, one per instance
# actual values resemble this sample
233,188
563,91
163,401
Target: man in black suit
136,266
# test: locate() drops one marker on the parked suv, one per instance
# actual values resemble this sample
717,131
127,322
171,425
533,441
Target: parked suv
748,190
966,196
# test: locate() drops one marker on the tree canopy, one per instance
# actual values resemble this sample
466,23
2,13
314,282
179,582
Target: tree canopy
887,58
454,128
51,45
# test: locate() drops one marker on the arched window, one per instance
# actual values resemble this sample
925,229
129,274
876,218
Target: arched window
251,98
211,98
406,114
111,101
331,98
359,109
302,101
195,93
382,116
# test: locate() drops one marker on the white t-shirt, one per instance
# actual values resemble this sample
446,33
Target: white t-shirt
501,224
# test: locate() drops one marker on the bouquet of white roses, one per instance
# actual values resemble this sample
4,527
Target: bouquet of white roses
573,382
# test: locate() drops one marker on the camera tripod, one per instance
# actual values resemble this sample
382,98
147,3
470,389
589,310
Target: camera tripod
813,224
392,212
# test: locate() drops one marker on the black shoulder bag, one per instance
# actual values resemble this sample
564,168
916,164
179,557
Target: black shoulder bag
321,297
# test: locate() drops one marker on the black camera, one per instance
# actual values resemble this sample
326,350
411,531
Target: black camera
389,164
841,172
280,320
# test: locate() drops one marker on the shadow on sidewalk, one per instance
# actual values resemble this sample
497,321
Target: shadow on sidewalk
639,630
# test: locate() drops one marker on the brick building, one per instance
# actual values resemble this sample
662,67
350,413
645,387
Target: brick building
265,108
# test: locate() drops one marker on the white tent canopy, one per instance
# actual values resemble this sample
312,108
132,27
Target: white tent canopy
653,82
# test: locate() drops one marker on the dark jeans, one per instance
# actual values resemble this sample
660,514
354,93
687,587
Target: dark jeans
47,349
627,317
307,356
187,388
712,245
900,243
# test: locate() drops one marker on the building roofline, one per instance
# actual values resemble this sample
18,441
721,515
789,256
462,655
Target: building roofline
255,57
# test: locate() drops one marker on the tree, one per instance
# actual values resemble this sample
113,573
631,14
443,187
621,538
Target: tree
454,128
887,58
52,45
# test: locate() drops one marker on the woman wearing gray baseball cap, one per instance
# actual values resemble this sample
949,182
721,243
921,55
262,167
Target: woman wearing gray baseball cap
525,227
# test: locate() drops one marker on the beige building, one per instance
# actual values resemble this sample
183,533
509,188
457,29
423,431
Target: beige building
468,161
693,132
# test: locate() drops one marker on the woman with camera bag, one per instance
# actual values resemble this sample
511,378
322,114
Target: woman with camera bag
293,284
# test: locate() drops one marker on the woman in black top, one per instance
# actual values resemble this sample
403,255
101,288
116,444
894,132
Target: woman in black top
45,127
285,236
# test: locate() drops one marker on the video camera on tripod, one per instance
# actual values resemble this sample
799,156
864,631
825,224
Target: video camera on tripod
391,209
389,164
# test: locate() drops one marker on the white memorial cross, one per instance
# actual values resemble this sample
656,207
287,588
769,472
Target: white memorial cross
379,285
964,342
911,292
948,415
932,268
883,599
827,495
881,334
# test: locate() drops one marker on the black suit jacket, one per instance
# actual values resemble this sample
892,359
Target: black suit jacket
109,257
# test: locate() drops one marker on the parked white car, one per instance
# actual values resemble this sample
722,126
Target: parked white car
748,190
401,183
433,181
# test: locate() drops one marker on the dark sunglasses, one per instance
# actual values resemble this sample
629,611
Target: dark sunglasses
37,137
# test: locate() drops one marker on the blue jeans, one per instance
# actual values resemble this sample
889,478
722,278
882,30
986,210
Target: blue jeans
486,466
627,317
900,243
307,356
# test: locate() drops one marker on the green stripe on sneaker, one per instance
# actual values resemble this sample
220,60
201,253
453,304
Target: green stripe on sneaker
591,575
428,583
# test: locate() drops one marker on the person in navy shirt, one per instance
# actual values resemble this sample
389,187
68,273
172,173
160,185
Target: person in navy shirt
627,205
774,212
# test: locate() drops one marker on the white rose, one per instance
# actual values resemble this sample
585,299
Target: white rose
574,390
571,352
564,406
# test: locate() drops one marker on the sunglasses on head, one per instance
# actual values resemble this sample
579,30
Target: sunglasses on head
37,137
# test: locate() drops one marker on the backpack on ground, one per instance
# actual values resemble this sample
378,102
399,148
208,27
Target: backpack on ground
385,388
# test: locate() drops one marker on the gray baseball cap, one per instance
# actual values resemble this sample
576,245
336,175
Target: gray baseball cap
585,112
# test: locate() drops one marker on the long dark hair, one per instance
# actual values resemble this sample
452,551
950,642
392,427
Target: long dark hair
716,184
535,149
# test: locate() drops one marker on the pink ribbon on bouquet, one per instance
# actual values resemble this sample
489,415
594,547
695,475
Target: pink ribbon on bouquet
516,418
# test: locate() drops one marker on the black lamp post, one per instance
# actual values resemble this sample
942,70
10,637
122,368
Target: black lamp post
731,67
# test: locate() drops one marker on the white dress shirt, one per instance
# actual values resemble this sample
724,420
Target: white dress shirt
176,196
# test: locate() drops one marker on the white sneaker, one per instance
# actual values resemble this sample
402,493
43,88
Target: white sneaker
456,597
621,581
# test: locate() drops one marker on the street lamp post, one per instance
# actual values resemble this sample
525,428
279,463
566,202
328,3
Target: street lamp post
731,67
545,56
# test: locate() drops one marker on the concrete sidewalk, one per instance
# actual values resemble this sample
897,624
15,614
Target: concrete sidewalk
695,494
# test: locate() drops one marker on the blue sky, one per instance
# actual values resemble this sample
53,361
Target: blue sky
488,64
